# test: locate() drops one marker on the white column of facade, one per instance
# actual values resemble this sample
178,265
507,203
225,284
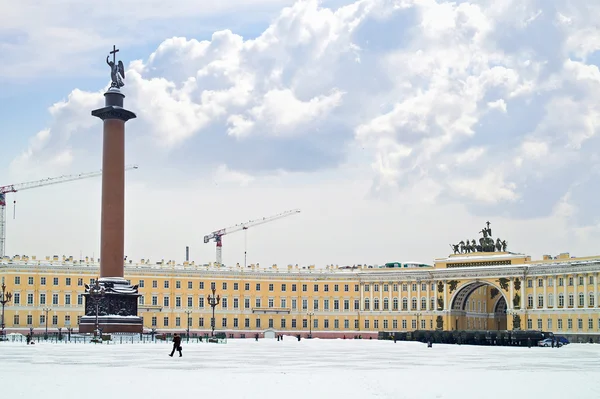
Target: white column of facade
523,283
555,305
361,306
511,293
585,293
545,292
381,295
535,300
446,304
371,288
428,293
565,283
419,282
409,284
595,289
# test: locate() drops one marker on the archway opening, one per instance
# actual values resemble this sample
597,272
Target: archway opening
479,305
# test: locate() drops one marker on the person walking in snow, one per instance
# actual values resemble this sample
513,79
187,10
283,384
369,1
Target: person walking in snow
176,345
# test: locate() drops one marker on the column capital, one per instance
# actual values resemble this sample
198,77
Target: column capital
113,112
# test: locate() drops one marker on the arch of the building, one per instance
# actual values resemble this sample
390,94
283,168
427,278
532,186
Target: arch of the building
459,301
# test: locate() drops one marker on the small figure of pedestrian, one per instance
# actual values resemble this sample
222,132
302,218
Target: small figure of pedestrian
256,337
28,338
176,345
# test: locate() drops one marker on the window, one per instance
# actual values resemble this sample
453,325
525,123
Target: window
560,325
316,287
346,324
591,280
55,281
271,287
366,287
68,281
414,287
395,287
140,299
423,287
540,283
42,299
257,323
293,287
346,304
404,303
366,323
540,302
580,324
201,322
315,304
356,289
282,323
30,299
571,300
258,287
376,287
356,304
336,304
18,281
190,301
326,288
166,285
395,304
356,324
246,303
530,301
247,286
424,303
367,304
190,285
140,284
166,301
561,300
271,303
42,280
414,304
283,287
16,320
177,321
346,288
550,282
590,324
395,324
224,286
235,322
154,300
30,282
55,299
224,303
561,282
257,303
376,304
581,299
529,283
549,324
236,286
570,283
569,324
304,304
551,300
154,284
404,287
336,287
293,323
166,321
529,324
375,324
201,285
413,324
581,280
591,299
539,324
385,288
224,322
304,323
236,303
68,299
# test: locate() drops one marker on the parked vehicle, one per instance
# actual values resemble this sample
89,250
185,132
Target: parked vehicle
545,342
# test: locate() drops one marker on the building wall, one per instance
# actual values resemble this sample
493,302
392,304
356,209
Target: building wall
328,301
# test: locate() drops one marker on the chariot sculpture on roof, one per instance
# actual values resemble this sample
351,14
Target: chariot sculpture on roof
485,243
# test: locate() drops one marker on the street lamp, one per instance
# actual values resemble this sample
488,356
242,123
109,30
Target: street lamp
188,313
46,320
213,302
310,315
418,314
5,297
96,293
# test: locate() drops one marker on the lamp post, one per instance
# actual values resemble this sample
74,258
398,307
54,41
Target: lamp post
213,302
96,293
5,297
310,315
418,314
188,313
46,310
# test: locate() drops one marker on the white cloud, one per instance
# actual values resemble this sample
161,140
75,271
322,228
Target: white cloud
372,117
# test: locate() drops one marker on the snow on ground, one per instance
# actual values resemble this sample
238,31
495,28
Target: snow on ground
245,369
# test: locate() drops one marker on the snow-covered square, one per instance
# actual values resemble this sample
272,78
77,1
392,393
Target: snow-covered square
291,369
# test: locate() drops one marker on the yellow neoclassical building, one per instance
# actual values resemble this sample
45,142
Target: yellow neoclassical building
479,287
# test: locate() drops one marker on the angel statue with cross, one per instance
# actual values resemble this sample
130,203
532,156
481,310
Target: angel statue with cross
117,70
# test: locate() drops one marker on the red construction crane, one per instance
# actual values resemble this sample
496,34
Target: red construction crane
13,188
216,235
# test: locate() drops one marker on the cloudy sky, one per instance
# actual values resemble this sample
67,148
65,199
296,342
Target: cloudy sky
397,127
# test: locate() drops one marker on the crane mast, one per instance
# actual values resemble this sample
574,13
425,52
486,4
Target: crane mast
13,188
217,235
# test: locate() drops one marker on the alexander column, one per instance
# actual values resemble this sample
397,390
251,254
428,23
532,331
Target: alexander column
117,309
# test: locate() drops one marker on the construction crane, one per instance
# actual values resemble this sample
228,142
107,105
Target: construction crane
217,235
13,188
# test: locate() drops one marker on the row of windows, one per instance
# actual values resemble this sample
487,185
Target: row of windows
42,320
43,299
55,280
561,281
560,324
561,300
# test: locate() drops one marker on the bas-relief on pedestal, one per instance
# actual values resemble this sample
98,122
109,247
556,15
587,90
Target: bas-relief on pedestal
117,309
